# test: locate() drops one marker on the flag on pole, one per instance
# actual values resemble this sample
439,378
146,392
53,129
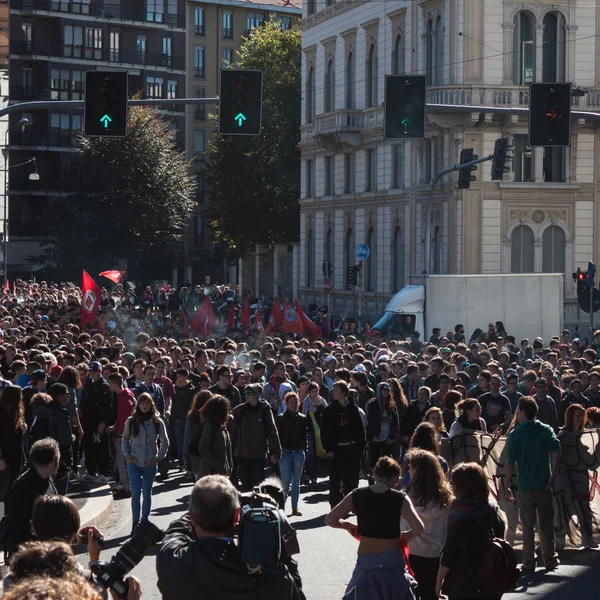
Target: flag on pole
7,286
258,324
15,288
309,326
231,317
245,320
114,276
204,319
291,320
276,317
90,299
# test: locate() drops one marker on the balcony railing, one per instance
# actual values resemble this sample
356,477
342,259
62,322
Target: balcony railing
338,122
29,92
64,138
507,96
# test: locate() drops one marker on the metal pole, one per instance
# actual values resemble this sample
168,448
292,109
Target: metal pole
360,287
426,239
591,312
5,217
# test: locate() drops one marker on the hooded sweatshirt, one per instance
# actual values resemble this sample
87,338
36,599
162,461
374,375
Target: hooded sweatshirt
530,445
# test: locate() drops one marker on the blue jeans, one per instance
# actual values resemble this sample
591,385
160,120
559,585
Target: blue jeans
179,429
141,480
290,464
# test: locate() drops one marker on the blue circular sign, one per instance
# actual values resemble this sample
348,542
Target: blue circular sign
362,251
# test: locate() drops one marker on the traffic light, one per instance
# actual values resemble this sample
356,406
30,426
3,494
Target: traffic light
105,104
550,114
240,102
501,157
404,107
464,175
352,275
591,273
581,279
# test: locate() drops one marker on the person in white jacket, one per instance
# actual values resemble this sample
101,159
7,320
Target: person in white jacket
431,496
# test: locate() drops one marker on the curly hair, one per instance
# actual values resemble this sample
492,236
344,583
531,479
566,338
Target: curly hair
43,559
49,588
425,437
428,484
216,410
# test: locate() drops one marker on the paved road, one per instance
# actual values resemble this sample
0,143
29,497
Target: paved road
327,556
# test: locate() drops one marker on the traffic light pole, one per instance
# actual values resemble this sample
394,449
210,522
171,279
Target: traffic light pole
426,240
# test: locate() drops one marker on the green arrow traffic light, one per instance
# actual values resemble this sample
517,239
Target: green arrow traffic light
406,123
105,120
240,118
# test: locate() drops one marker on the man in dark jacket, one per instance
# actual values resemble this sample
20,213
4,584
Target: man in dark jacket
344,439
224,386
96,413
53,420
199,558
181,402
34,482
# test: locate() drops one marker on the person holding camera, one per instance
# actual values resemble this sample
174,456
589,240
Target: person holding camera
200,559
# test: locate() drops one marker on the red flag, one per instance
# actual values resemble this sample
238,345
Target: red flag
309,326
90,300
291,320
258,324
245,320
31,289
276,317
231,317
114,276
204,319
7,286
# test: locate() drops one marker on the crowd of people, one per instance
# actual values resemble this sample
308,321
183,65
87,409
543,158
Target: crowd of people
126,404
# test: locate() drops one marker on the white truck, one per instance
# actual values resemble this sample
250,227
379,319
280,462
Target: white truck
530,305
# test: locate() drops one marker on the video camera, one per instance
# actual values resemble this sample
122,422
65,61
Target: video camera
111,575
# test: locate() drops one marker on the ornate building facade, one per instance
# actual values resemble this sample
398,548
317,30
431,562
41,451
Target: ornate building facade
359,188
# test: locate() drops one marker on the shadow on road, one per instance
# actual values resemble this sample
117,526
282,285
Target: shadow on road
309,524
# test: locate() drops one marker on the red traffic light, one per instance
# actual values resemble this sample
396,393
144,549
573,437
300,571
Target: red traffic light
581,276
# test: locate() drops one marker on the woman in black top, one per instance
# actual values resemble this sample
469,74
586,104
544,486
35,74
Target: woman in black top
12,428
380,572
473,519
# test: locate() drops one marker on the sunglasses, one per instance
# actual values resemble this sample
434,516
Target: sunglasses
249,393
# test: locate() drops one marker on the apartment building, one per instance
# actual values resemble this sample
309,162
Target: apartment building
216,30
359,188
52,44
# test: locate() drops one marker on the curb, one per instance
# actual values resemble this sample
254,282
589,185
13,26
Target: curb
98,508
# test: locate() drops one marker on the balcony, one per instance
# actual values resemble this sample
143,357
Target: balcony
100,10
53,138
506,96
29,92
340,129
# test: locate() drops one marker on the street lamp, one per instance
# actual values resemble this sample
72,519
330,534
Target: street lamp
22,122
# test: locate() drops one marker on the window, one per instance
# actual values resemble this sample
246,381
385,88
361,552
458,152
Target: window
521,250
398,166
310,177
553,67
227,25
522,163
167,51
93,43
64,128
311,7
370,170
66,84
371,263
554,164
436,251
81,6
227,57
438,67
349,173
253,20
171,90
172,127
430,160
310,95
429,50
154,87
141,44
73,41
199,61
524,48
329,87
199,143
372,77
397,261
329,176
27,29
348,256
328,250
27,84
286,23
77,79
310,259
199,112
350,81
198,229
114,45
553,250
398,56
200,186
199,21
155,11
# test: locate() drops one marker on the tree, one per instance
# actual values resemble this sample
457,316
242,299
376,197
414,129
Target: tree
133,204
254,181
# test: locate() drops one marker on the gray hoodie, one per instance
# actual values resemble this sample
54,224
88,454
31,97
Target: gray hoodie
144,448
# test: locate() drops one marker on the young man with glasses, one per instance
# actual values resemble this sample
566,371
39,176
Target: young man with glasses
224,386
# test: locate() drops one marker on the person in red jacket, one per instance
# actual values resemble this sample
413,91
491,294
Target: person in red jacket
125,405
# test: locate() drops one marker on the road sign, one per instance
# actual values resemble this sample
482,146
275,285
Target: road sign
362,251
584,300
105,104
326,286
327,269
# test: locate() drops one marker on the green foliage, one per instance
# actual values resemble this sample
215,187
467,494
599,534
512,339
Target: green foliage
133,204
254,181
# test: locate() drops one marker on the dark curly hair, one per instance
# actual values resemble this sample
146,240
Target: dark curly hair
216,410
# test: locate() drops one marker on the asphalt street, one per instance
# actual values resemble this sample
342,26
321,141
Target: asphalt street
327,556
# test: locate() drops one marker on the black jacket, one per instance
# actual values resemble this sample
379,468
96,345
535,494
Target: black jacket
18,505
374,421
412,418
59,422
190,568
96,404
334,418
11,441
293,430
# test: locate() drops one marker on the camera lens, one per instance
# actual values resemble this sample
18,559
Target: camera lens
146,535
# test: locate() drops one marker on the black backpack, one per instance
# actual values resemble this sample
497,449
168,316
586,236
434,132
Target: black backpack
194,447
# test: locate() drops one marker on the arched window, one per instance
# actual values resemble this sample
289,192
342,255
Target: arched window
329,87
521,250
310,95
398,57
438,58
553,58
310,259
372,77
371,263
329,246
524,48
348,255
553,250
429,50
397,261
350,81
436,251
